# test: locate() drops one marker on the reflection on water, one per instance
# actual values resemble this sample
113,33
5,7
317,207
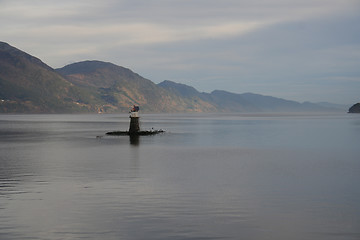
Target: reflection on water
207,177
134,140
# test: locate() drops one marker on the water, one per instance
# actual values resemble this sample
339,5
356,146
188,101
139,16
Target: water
210,176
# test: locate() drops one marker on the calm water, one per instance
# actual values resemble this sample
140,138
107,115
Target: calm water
210,176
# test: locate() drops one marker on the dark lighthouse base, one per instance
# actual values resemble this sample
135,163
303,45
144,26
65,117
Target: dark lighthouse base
134,125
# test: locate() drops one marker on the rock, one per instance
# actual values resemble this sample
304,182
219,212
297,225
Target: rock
139,133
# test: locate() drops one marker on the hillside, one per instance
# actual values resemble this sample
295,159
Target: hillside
27,85
225,101
121,88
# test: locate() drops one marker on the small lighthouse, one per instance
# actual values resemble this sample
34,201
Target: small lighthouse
134,120
134,129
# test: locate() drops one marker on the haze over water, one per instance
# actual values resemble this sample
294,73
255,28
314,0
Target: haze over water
210,176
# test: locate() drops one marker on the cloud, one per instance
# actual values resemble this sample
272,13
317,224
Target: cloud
239,45
156,21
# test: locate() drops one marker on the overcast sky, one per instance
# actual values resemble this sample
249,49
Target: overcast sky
303,50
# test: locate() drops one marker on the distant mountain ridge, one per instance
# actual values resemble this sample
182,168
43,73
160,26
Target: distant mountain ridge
246,102
27,85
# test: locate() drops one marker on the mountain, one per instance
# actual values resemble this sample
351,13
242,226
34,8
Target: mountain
273,104
225,101
28,85
121,88
179,89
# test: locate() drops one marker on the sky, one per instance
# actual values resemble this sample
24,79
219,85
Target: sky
302,50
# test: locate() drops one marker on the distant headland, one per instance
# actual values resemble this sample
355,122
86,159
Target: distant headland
355,108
